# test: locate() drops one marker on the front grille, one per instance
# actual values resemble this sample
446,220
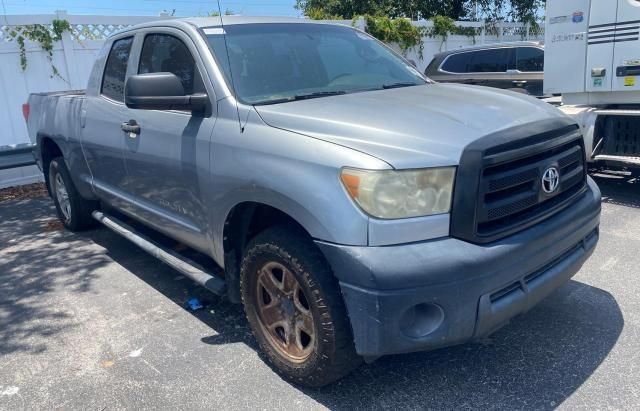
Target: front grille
510,195
511,191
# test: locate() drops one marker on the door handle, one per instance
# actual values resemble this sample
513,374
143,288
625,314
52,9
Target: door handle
132,128
519,82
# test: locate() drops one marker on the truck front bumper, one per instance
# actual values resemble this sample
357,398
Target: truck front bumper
443,292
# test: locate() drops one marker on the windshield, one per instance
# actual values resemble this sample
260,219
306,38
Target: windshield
273,63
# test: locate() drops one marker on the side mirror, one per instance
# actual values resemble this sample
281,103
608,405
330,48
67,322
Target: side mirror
161,91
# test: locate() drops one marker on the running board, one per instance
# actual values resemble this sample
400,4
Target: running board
187,267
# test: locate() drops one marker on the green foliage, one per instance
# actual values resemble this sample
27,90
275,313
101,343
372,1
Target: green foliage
319,13
444,26
526,11
399,31
515,10
227,12
46,36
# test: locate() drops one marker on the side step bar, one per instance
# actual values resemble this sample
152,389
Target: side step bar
187,267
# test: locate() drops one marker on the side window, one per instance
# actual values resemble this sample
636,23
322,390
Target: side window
166,53
490,61
529,59
457,63
115,70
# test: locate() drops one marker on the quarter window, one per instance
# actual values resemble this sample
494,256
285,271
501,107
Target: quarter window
530,59
115,70
166,53
457,63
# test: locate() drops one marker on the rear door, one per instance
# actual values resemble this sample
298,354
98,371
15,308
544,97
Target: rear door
102,116
168,161
490,67
627,47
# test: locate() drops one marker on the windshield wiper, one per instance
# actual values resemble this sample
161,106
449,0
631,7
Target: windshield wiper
398,85
318,94
297,97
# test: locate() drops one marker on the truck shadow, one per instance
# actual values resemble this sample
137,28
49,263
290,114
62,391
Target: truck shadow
37,258
537,361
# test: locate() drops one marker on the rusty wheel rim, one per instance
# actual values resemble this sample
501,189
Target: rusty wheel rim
284,313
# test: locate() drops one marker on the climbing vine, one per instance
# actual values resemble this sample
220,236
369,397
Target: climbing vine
399,31
46,36
408,36
444,26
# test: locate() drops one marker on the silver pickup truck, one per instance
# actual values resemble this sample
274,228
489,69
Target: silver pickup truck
356,208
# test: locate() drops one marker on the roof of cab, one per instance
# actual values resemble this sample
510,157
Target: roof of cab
234,20
202,22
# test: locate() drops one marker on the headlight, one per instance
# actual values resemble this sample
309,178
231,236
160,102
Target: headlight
392,194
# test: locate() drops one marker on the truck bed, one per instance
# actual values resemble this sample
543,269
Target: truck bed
63,93
55,113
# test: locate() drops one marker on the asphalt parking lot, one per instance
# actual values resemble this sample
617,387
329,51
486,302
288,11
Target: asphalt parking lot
89,321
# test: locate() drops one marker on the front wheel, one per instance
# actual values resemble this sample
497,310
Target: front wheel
295,309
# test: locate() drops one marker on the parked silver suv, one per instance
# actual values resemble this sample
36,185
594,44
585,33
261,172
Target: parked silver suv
357,209
515,66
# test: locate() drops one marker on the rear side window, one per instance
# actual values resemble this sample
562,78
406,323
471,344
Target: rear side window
529,59
115,71
457,63
490,61
166,53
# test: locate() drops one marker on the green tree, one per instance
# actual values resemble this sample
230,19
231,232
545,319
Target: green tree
516,10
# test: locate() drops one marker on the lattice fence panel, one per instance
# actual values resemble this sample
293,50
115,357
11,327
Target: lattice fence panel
10,34
95,31
79,32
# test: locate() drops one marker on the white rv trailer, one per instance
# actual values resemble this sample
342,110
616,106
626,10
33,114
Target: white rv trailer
592,58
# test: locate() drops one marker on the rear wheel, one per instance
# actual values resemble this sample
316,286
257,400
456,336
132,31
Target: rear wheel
295,309
73,210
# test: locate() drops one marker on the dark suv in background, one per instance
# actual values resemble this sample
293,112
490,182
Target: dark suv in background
512,66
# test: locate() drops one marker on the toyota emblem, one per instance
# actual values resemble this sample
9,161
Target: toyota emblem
550,180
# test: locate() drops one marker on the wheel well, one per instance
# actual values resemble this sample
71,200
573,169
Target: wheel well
49,150
244,222
248,219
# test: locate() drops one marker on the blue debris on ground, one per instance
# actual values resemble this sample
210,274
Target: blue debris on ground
194,304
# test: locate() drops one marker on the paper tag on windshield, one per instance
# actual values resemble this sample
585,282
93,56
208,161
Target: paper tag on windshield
214,30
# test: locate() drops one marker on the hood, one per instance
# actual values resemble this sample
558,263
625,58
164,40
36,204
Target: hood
411,127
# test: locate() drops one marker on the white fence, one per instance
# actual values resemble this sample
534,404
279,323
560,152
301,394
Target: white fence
74,56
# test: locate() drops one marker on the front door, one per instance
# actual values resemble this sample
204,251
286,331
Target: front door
168,161
489,67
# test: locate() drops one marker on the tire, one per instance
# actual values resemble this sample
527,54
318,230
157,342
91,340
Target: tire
75,211
313,306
